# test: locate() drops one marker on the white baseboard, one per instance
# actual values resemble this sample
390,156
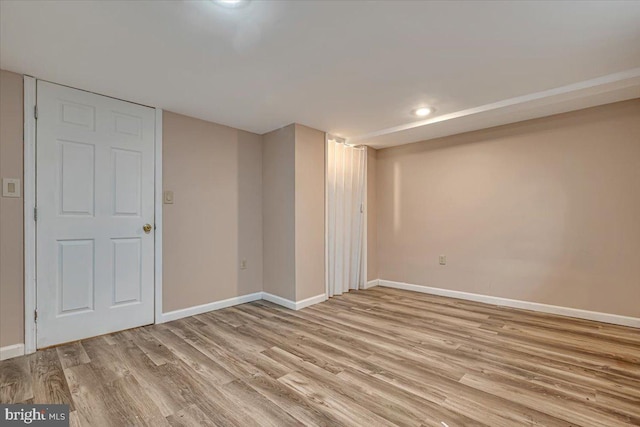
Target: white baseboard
217,305
293,305
310,301
11,351
526,305
287,303
371,283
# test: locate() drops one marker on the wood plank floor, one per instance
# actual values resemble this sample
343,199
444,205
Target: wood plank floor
369,358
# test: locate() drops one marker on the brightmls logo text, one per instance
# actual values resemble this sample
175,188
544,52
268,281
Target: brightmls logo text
27,416
36,415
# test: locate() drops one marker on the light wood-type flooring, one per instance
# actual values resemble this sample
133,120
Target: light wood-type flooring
369,358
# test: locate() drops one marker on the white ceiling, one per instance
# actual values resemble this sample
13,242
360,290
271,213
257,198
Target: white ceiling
352,68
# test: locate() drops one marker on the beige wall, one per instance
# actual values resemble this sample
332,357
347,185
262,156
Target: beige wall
11,212
250,211
217,217
293,212
215,221
546,210
214,172
278,208
372,215
309,212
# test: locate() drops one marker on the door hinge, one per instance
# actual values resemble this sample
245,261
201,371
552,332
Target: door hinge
35,315
35,112
35,214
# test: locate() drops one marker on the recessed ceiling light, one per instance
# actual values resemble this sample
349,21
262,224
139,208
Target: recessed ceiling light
230,3
423,111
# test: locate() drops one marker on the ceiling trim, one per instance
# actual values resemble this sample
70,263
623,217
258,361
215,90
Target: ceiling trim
585,88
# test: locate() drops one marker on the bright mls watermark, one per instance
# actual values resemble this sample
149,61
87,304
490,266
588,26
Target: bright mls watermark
34,415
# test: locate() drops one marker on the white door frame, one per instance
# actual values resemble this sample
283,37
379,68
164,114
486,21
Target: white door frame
29,210
30,224
158,214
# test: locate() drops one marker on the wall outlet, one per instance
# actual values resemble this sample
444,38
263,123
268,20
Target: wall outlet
243,264
442,259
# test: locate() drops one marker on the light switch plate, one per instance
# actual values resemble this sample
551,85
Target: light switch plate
168,197
10,187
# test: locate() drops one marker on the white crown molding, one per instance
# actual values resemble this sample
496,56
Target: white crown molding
11,351
588,93
526,305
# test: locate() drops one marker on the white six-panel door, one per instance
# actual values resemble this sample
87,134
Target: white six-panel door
95,193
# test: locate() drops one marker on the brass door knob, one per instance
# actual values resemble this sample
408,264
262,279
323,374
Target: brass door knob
147,228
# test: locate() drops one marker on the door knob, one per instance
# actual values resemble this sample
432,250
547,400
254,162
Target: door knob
147,228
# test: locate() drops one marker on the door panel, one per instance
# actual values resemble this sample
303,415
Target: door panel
75,276
127,274
76,171
95,191
127,170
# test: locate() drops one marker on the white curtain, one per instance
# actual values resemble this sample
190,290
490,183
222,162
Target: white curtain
346,166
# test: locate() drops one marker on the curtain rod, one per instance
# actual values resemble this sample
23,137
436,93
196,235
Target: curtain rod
340,140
